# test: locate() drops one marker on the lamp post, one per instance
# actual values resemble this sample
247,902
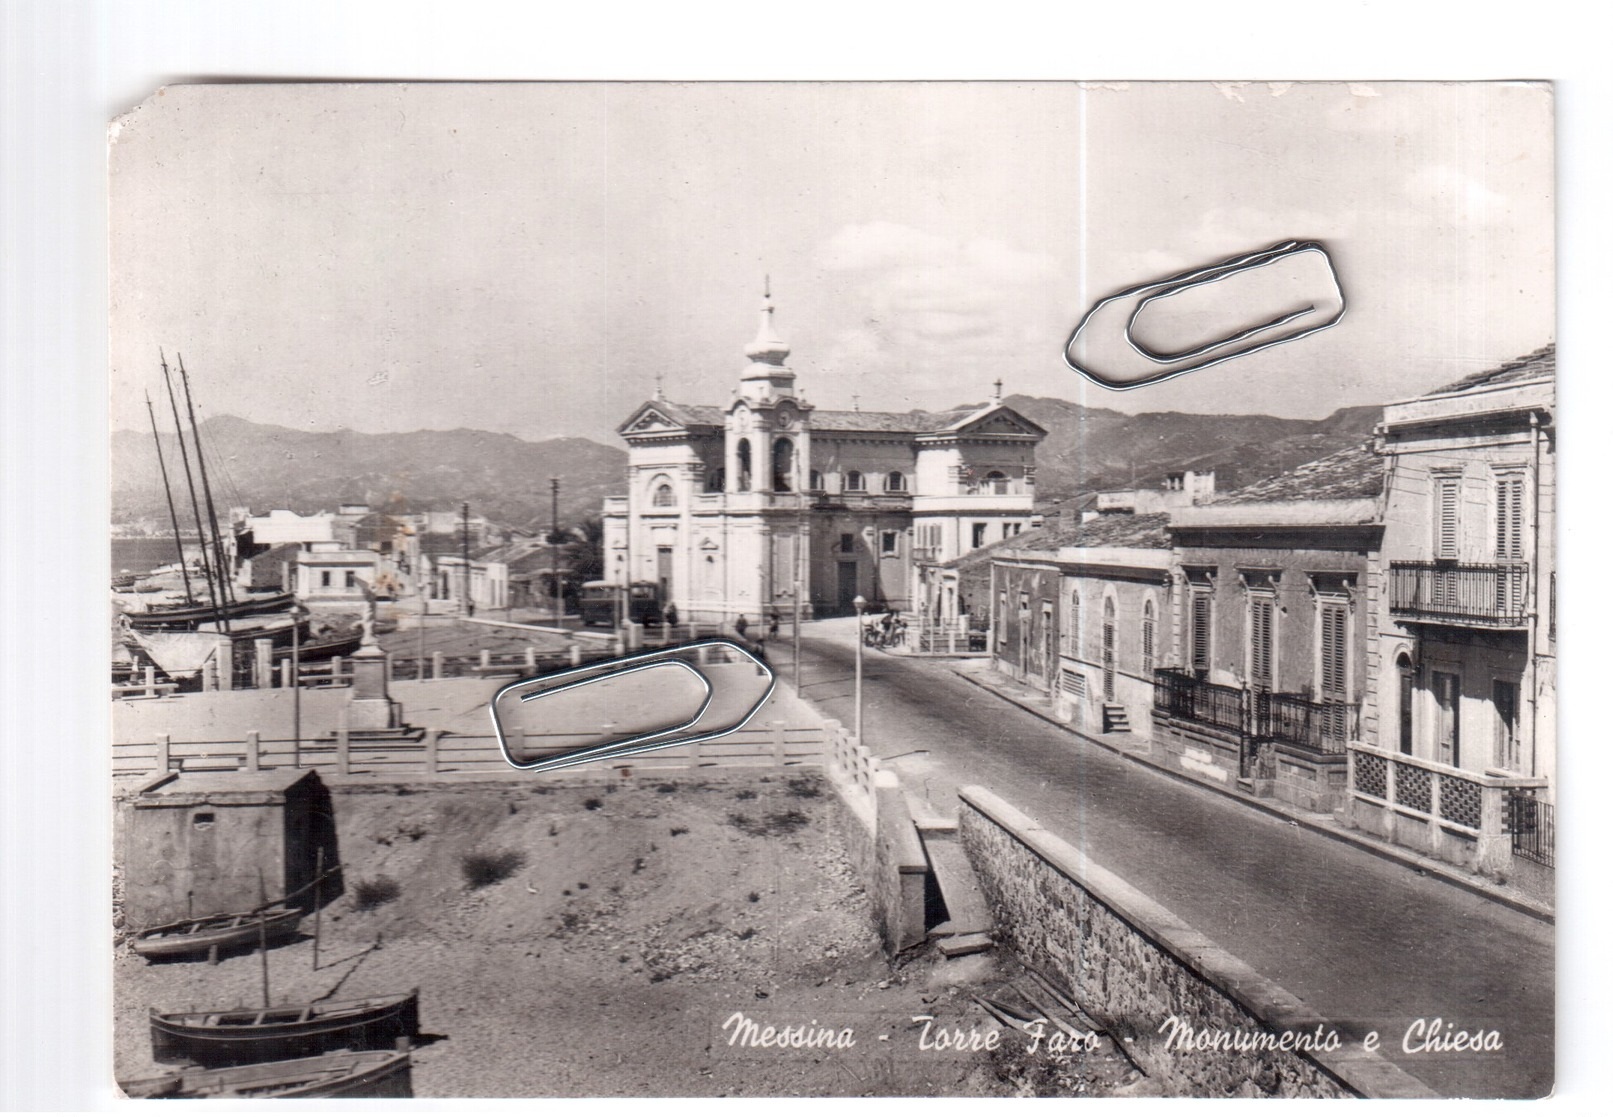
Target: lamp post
298,614
859,603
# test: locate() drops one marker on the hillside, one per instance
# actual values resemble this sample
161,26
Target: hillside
1093,448
503,477
507,478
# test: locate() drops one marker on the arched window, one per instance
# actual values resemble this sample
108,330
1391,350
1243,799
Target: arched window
815,483
744,465
783,465
1148,637
895,482
855,483
664,497
1109,649
997,483
1072,624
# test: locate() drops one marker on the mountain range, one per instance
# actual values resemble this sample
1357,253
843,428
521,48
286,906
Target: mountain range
507,478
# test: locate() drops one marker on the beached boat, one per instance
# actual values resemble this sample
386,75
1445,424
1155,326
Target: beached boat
188,615
345,1074
199,936
244,1035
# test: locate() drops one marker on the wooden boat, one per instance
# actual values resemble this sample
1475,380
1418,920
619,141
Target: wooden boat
345,1074
222,1037
188,615
199,936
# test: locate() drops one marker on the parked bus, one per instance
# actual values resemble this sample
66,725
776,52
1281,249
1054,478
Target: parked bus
601,603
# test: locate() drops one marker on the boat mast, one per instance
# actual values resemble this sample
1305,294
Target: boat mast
190,483
173,517
207,490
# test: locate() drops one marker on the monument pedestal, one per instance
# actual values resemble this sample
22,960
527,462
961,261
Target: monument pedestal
370,708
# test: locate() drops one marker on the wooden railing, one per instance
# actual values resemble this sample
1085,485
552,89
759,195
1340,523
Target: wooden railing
777,745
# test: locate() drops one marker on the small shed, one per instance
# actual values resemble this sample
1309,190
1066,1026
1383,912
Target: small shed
200,843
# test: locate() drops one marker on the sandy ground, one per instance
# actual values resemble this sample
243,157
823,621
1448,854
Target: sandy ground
640,920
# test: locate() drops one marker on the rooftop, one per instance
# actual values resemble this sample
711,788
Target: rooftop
1349,474
1103,531
1540,364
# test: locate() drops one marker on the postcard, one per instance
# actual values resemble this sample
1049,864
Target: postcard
935,589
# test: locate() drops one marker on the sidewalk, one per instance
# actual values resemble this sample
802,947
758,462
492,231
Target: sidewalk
1138,748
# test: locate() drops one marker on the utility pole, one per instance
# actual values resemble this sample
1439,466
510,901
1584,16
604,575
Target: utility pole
464,554
554,547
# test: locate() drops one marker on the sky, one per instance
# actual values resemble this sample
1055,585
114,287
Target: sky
530,258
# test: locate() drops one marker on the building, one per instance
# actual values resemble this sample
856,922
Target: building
200,843
330,575
1081,612
730,507
1459,731
1181,488
1270,625
489,581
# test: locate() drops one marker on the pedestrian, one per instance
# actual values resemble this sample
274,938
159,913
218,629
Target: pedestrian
741,625
772,625
672,616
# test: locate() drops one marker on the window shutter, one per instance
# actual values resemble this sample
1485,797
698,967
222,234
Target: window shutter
1509,518
1148,638
1201,632
1449,492
1260,617
1334,642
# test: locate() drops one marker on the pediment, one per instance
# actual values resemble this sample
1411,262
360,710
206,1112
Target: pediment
649,420
1001,420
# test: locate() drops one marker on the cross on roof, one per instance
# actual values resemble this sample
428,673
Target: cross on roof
998,394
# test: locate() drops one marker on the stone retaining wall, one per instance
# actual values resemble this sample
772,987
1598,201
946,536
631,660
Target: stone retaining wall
1134,965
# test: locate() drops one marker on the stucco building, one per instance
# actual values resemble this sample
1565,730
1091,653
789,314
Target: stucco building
729,507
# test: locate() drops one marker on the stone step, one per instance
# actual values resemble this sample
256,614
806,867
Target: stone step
959,945
967,913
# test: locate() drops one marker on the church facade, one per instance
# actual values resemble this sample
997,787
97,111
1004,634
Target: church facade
730,508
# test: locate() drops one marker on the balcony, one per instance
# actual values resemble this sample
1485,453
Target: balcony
1257,716
1482,595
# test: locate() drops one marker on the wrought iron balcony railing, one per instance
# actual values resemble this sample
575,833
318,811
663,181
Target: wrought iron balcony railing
1487,595
1257,715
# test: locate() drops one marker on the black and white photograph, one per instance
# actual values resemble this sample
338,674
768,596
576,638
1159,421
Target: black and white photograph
1038,589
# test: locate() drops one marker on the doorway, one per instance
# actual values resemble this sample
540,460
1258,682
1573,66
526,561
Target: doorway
846,587
1109,650
1403,666
1448,703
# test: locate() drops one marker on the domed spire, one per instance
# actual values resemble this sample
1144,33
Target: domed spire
768,348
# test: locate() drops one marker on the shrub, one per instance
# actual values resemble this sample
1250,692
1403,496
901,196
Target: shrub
804,787
592,804
371,894
483,869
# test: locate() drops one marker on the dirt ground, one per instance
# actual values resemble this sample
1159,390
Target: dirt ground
634,922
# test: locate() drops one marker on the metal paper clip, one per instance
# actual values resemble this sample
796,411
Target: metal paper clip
1149,293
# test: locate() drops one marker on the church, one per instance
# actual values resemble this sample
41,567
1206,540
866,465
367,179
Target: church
733,509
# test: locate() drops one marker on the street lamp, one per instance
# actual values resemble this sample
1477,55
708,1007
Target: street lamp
298,614
859,603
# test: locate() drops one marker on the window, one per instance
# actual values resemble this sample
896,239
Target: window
848,542
997,483
203,820
1002,618
352,580
1072,624
783,465
1333,672
1148,638
895,482
855,482
1447,509
815,483
715,479
1262,640
663,497
1108,649
1505,696
324,579
744,465
1408,680
1010,530
1200,632
1509,517
887,542
977,535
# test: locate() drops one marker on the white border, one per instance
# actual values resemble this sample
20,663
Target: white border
70,66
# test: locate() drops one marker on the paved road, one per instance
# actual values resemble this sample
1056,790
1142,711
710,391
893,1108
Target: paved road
1370,944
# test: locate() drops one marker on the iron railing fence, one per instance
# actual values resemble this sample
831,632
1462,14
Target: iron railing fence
1493,595
1534,828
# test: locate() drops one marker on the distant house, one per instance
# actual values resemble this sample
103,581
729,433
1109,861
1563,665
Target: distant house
331,575
1270,626
1180,488
1081,612
1460,754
